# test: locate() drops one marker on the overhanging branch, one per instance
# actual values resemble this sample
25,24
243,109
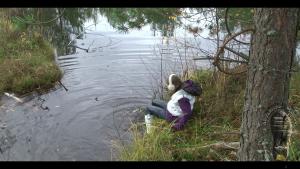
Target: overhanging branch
221,59
242,55
221,50
228,30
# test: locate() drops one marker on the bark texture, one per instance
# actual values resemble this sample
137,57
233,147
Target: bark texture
272,52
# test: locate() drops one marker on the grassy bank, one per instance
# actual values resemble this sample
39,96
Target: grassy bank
216,120
26,61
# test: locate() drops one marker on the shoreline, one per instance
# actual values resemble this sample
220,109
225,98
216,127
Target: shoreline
29,70
213,133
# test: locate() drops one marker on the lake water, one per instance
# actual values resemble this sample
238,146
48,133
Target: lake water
106,85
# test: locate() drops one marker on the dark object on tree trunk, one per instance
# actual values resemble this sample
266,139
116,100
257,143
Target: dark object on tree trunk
281,127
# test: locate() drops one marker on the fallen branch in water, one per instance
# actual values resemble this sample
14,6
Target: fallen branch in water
14,97
62,85
80,48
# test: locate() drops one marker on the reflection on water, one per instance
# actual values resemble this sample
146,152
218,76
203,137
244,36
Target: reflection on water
106,83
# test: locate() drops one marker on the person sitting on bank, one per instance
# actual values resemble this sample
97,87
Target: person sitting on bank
180,107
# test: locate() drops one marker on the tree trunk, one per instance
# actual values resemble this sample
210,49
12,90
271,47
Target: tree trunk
267,89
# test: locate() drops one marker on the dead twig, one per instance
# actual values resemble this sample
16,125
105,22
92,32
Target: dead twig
242,55
228,30
62,85
223,145
217,59
221,59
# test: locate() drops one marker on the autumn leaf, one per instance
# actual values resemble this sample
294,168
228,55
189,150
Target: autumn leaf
173,17
280,157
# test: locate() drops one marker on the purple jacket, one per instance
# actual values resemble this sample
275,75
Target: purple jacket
180,121
184,104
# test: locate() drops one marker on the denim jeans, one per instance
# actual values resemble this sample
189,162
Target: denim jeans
157,108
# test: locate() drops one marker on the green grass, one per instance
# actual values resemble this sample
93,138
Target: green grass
26,61
216,118
294,104
212,122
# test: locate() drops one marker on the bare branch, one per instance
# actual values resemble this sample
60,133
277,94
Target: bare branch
79,47
242,55
221,50
221,59
228,30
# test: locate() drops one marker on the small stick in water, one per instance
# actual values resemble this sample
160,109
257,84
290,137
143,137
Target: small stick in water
62,85
14,97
